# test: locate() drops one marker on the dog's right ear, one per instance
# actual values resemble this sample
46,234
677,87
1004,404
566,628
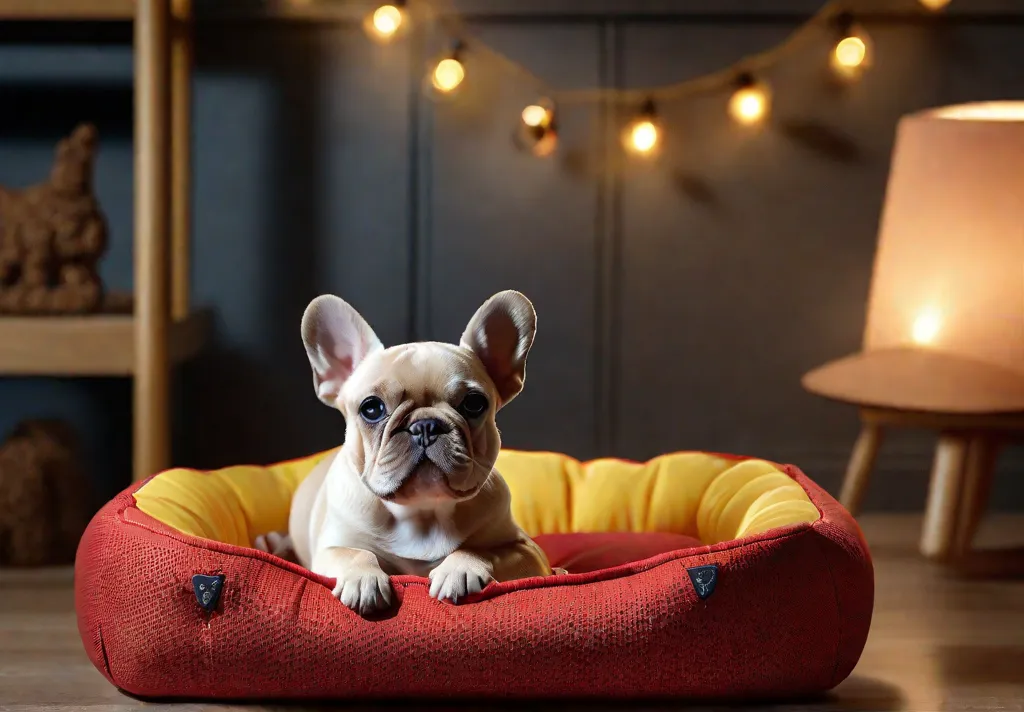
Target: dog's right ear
337,339
501,334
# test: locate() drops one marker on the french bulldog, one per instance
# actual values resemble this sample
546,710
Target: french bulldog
413,490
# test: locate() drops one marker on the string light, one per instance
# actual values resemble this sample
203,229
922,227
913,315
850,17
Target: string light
935,4
852,53
536,116
538,130
643,135
751,101
385,23
449,72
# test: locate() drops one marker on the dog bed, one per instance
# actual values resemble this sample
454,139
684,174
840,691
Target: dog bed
694,574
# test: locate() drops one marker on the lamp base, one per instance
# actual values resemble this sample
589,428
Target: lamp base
920,380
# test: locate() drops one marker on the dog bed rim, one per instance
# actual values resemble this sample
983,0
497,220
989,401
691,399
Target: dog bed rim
142,520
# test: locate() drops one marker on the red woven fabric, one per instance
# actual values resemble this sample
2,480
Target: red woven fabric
585,552
789,616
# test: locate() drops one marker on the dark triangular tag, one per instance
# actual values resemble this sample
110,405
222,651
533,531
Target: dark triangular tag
704,579
207,590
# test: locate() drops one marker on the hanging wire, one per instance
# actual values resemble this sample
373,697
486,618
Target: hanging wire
445,14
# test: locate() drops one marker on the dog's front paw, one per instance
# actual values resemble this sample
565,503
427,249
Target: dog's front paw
365,590
458,576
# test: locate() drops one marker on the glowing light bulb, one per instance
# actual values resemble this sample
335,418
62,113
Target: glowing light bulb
448,75
537,132
644,136
750,103
935,4
535,116
851,55
386,20
926,327
851,52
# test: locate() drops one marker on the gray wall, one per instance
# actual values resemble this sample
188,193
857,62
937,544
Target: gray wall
678,305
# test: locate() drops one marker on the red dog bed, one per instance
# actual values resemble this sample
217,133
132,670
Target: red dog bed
693,575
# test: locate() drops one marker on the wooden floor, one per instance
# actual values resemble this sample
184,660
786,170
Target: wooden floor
936,643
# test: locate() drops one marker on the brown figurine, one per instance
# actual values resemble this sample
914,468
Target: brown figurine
45,503
52,236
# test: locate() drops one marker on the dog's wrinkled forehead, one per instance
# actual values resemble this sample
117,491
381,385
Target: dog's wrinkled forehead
424,373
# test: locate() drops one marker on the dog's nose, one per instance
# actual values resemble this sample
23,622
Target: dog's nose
425,432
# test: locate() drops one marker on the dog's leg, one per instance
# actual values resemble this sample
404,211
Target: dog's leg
360,582
523,559
278,544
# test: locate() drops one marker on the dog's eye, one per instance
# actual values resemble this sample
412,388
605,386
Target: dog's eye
473,405
373,409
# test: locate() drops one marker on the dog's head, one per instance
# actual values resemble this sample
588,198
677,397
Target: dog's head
419,417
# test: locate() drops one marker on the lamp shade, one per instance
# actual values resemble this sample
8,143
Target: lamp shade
945,318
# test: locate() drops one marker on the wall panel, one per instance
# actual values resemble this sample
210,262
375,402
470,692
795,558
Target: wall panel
679,303
500,219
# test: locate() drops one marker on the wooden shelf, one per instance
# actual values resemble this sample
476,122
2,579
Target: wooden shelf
94,345
67,9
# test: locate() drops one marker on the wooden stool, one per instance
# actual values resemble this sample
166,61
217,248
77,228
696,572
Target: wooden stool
974,408
961,478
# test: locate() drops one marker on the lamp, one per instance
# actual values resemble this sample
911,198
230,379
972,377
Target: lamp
943,345
945,319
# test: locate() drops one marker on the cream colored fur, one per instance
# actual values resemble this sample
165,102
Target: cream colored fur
416,492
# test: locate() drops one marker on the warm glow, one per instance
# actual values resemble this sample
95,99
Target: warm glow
850,53
749,105
536,116
537,133
643,136
546,145
935,4
385,23
926,327
386,20
984,111
448,74
947,290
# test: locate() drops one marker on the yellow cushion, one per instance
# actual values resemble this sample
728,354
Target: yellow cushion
707,496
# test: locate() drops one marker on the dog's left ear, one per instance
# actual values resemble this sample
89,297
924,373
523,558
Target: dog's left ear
501,334
337,339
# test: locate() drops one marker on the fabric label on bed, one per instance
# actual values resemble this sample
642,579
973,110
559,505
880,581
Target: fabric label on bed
704,579
207,590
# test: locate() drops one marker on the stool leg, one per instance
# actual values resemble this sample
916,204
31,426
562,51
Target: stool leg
978,475
942,510
858,471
